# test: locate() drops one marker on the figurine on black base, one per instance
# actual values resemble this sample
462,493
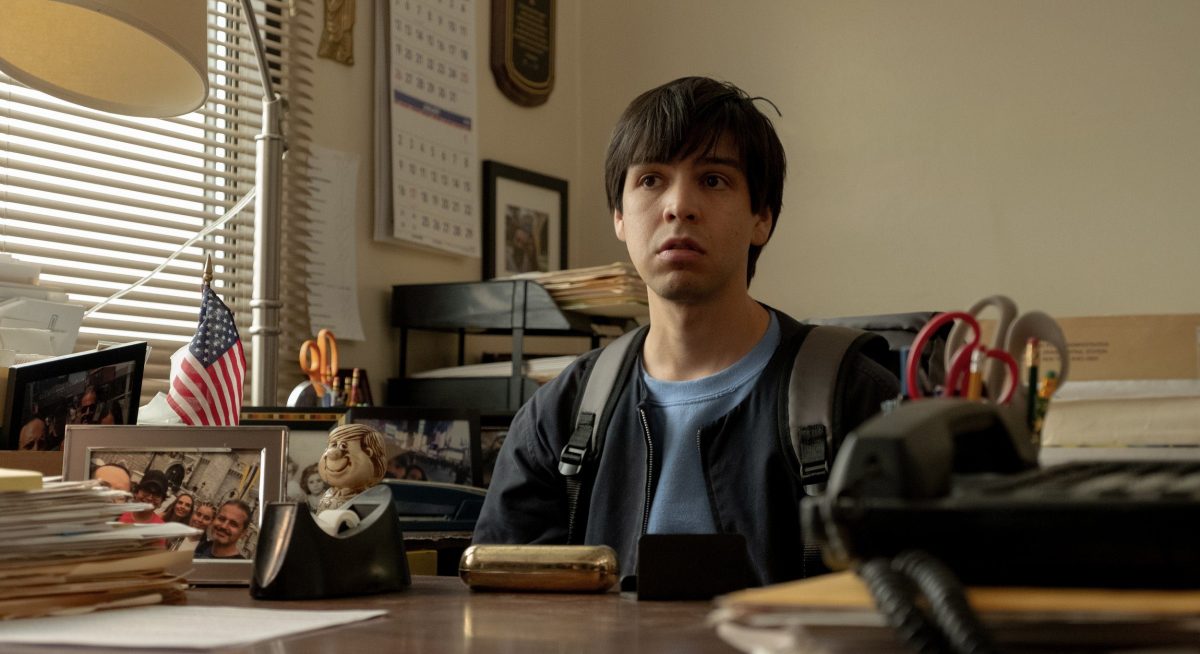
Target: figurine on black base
354,461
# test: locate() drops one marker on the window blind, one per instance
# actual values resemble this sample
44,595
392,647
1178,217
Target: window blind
99,200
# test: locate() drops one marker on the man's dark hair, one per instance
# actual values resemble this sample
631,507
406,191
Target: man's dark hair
689,116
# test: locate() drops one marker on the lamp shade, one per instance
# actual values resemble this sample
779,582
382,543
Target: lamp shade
132,57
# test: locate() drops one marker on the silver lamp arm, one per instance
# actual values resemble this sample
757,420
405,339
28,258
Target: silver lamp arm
268,178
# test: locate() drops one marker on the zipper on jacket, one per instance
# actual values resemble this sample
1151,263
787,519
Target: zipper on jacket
712,494
649,468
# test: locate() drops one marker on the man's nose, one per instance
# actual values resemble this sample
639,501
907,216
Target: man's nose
681,202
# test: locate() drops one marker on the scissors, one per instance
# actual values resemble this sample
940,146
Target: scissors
319,360
964,373
1012,332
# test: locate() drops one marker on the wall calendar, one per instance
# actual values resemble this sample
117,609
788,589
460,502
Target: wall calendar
433,135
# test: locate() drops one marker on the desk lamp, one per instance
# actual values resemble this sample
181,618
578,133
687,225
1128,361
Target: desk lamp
149,58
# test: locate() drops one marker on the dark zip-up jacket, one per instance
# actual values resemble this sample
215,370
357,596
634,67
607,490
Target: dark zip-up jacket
749,471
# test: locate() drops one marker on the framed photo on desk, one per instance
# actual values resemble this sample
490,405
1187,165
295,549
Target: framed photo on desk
426,444
308,436
92,387
228,473
524,221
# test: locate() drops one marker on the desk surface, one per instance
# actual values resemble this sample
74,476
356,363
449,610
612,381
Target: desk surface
440,614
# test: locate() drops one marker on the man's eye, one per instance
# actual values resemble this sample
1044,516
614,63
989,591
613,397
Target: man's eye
648,181
714,181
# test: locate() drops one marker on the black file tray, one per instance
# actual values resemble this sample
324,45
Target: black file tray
518,308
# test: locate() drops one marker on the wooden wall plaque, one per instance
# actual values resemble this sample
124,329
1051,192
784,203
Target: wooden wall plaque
522,50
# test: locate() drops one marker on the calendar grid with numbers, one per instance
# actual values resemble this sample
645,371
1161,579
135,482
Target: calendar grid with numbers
434,140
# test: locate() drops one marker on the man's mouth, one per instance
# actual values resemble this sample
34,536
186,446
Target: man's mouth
685,244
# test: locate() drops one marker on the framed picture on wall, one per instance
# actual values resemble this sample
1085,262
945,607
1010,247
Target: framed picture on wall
524,221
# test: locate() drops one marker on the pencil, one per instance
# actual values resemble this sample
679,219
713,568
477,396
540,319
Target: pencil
975,379
1032,362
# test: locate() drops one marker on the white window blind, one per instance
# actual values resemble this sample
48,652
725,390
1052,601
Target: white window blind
99,200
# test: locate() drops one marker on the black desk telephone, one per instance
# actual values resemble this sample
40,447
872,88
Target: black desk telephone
959,480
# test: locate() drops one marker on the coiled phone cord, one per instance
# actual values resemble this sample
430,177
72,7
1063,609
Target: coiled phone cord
946,622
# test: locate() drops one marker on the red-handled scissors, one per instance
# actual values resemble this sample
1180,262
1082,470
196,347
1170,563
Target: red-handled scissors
958,375
319,360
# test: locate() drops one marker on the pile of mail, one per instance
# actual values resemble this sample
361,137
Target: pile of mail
61,551
613,290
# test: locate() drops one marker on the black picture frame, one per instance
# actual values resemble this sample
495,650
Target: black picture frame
524,221
49,394
442,443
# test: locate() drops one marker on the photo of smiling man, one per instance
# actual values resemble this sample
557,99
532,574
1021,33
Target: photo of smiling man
227,528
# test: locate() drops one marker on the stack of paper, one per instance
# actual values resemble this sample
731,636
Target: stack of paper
613,290
1119,413
61,551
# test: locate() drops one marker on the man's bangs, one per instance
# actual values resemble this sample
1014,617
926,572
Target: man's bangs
671,139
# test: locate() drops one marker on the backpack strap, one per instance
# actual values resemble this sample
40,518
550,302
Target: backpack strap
814,420
586,438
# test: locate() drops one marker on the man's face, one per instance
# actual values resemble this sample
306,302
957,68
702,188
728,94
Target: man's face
688,227
345,464
202,517
114,477
87,406
229,524
150,495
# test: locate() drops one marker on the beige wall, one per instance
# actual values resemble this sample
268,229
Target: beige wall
939,150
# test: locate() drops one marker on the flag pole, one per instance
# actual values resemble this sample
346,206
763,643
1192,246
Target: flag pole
208,271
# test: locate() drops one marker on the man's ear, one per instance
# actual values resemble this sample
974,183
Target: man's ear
619,225
763,221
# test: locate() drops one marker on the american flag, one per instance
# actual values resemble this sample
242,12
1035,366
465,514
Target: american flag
206,377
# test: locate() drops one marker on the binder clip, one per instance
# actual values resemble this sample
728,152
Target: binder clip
296,559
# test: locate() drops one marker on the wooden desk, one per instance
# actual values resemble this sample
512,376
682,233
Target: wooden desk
440,614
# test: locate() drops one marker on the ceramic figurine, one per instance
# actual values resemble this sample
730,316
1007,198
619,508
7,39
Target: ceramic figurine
354,461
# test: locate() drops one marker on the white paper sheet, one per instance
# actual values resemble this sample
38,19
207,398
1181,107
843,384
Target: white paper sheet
173,627
333,269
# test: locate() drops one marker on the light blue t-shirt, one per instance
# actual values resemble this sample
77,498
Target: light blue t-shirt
676,411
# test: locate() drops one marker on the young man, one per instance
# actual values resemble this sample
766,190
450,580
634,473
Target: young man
226,529
694,175
151,489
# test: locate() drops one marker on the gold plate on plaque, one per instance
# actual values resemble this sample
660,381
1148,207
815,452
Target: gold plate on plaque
522,53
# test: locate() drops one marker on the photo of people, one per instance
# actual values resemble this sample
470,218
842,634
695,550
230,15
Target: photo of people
491,438
303,483
214,491
526,238
426,448
103,395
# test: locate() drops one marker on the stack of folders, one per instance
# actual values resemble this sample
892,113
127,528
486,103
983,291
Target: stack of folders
61,551
835,613
614,290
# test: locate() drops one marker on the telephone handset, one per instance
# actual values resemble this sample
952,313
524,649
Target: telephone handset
902,470
915,450
959,480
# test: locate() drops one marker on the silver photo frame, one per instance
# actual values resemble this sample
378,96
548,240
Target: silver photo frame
215,465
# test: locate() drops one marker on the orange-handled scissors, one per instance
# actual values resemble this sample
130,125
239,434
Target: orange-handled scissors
319,360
